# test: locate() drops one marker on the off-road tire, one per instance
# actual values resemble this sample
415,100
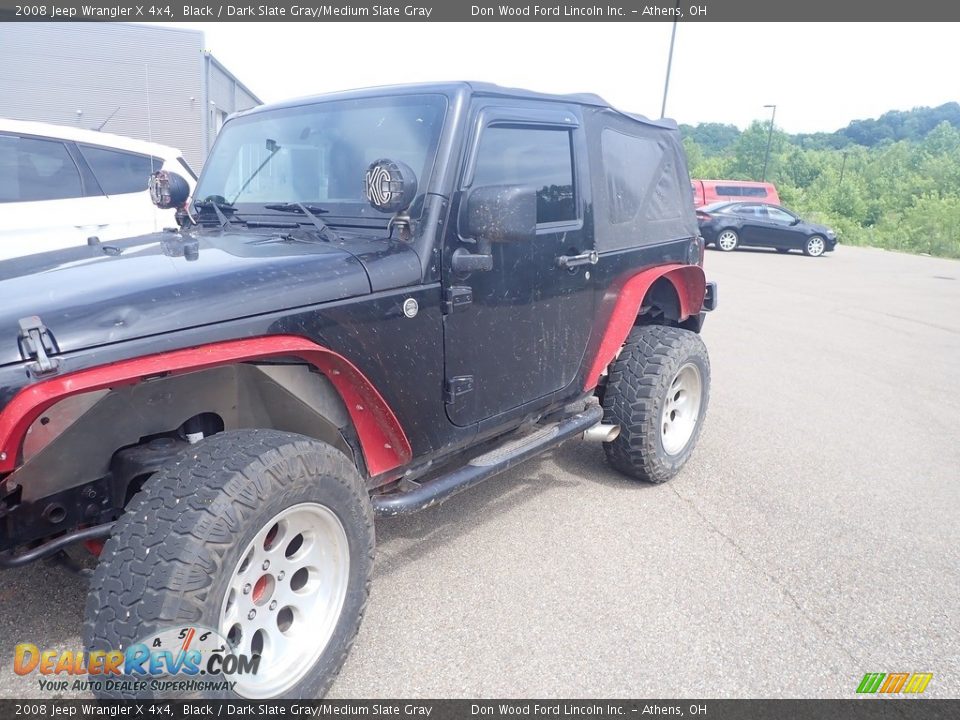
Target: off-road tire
635,394
172,553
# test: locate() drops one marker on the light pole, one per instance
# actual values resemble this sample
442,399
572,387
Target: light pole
766,158
666,83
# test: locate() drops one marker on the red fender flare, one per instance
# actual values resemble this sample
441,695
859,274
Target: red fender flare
384,444
691,286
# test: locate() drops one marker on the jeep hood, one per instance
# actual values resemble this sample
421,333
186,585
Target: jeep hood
164,282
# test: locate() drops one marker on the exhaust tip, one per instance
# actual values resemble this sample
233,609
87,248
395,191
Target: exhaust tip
602,433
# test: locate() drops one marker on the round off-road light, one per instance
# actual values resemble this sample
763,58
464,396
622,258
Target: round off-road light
390,185
168,190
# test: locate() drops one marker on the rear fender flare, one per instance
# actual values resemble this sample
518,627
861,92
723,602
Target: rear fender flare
688,281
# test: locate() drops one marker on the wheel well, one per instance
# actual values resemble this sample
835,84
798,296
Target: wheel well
131,430
661,305
661,294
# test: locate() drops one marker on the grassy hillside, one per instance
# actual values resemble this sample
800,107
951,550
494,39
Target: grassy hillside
893,182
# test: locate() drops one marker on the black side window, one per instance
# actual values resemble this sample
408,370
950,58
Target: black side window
542,159
741,191
120,172
778,215
33,170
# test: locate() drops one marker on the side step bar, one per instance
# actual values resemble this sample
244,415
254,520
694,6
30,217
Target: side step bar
54,546
485,466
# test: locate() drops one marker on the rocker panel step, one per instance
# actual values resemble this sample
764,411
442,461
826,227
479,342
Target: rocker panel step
513,447
485,466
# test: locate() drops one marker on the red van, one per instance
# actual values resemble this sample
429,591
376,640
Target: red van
711,191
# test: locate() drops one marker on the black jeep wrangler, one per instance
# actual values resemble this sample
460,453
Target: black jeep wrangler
374,300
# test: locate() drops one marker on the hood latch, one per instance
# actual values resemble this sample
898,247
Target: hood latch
37,344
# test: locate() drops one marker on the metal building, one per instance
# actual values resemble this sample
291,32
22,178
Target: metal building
146,82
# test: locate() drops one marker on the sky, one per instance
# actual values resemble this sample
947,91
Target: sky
819,75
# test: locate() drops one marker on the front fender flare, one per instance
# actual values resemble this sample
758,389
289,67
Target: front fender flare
382,439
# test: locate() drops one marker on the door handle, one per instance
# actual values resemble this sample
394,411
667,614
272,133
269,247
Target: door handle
570,261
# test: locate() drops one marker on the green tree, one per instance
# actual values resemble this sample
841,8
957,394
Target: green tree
750,150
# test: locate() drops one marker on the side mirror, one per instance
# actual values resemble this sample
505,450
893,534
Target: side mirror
500,213
390,186
795,221
168,190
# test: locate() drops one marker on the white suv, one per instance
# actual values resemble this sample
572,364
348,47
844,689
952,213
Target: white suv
61,185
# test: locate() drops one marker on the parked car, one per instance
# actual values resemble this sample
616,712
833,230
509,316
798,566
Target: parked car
706,192
61,185
378,299
728,226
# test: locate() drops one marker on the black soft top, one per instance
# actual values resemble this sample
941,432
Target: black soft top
482,89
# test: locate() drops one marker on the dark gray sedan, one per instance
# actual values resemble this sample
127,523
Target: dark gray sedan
729,225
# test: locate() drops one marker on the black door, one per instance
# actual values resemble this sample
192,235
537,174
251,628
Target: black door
757,227
524,333
783,231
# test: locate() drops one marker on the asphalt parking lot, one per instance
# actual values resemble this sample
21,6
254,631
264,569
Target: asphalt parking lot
813,537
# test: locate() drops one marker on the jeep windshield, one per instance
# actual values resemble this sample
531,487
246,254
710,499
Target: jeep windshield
316,155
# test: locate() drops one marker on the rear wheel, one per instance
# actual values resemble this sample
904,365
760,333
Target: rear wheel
815,246
264,538
728,240
657,392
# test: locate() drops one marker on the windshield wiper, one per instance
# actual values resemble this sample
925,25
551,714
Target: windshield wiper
295,206
218,207
326,232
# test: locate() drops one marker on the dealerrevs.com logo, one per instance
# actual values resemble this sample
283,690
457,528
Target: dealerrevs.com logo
190,659
894,683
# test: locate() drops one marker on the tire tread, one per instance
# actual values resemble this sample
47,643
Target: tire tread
636,380
171,540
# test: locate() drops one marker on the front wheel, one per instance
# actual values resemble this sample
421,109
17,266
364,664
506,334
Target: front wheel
815,246
657,392
261,539
728,240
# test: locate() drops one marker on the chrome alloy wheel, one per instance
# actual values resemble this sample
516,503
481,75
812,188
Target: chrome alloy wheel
727,240
815,246
285,597
681,410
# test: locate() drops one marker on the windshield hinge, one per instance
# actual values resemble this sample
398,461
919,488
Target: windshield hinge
457,386
37,343
456,296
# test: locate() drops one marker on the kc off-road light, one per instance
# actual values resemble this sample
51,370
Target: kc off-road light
168,190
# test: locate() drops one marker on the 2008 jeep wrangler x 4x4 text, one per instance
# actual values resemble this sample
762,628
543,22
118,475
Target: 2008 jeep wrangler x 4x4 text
374,300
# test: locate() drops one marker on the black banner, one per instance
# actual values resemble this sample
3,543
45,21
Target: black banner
861,709
479,11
